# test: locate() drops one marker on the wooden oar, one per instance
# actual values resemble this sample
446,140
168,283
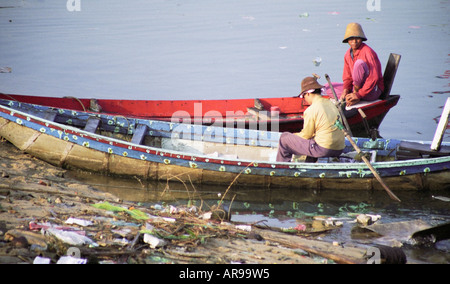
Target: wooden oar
338,105
339,125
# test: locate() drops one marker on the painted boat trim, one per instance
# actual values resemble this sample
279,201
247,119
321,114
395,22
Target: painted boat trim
261,168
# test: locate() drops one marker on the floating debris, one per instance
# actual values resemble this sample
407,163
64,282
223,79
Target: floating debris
441,92
317,61
304,15
248,18
5,69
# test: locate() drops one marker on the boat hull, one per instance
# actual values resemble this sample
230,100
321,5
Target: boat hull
70,147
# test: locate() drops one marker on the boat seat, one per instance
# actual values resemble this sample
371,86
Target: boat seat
139,134
389,74
92,124
50,115
411,150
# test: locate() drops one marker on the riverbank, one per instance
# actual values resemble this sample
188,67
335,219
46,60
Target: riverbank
43,214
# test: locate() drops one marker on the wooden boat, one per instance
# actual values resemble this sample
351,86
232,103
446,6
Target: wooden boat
239,113
271,114
208,155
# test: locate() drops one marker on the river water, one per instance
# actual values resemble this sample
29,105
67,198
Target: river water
217,49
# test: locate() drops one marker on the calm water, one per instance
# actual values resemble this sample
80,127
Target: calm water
203,49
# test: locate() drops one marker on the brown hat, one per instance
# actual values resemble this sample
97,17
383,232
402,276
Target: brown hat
309,84
354,30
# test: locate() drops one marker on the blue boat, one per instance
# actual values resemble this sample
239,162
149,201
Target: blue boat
198,154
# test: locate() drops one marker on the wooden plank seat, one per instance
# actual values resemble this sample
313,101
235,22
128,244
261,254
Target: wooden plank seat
50,115
92,124
139,134
411,150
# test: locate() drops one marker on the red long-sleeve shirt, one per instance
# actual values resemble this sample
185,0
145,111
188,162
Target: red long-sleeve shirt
375,78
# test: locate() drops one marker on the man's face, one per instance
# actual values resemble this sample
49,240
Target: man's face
355,42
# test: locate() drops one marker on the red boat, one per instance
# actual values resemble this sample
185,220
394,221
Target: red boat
274,114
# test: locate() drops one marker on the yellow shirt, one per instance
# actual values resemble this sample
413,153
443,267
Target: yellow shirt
319,119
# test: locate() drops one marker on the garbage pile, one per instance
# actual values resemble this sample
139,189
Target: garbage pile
118,234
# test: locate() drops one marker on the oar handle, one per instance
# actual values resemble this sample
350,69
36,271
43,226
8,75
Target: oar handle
338,105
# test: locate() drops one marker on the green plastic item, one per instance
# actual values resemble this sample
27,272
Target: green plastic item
134,213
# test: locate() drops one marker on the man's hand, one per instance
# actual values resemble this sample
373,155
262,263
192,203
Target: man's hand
352,99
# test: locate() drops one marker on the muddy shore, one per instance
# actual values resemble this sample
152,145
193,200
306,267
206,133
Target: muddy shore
36,199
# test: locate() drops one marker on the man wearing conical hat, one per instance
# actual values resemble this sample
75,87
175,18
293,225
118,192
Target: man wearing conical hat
319,137
363,78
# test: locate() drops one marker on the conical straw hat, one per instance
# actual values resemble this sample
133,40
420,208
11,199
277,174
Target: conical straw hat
354,30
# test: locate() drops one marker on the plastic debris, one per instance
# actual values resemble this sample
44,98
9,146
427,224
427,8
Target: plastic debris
39,226
206,216
134,213
71,260
121,242
161,219
317,61
41,260
153,241
300,227
248,18
441,198
304,15
246,228
124,224
71,238
5,69
79,222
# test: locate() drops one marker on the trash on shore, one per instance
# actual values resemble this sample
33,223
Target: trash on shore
47,223
367,219
393,234
441,198
79,222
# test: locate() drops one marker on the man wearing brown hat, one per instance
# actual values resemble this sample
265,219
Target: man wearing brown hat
319,137
363,78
